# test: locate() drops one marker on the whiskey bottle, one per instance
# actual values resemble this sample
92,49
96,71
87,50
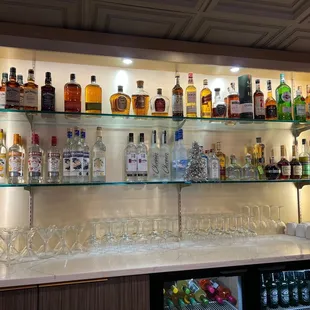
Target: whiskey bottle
284,165
259,102
222,158
283,97
299,106
48,94
20,81
233,103
191,97
296,167
12,91
205,101
272,171
140,100
308,103
219,107
93,97
72,96
2,90
245,96
30,93
304,158
271,105
120,102
177,98
160,104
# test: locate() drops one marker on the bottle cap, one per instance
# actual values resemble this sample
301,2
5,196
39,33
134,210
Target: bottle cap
304,141
130,137
205,82
159,91
258,140
190,75
141,137
15,138
140,84
12,70
119,88
257,81
217,89
30,71
54,140
48,75
4,75
72,76
177,74
93,78
232,85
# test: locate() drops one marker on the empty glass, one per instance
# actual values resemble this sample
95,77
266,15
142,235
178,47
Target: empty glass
46,234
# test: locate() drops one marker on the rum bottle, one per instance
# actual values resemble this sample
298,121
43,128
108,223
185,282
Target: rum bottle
284,103
48,94
259,102
233,171
191,103
299,106
30,93
177,98
304,158
12,91
160,104
140,100
308,103
284,165
205,101
219,106
93,97
271,105
272,171
72,96
120,102
296,167
15,155
53,162
2,90
233,103
249,171
3,159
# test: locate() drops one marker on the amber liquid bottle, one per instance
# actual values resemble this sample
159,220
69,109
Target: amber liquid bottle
271,105
12,91
296,167
2,90
222,158
259,102
191,95
233,103
72,96
48,94
284,165
205,101
30,93
120,102
93,97
177,98
140,100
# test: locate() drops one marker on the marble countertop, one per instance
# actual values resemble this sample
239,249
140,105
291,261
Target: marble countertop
187,256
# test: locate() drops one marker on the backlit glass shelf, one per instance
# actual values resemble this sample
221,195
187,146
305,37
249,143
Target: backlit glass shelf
133,121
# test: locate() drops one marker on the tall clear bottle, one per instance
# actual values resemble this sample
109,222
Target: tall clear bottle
284,102
304,158
15,162
98,159
85,157
3,154
181,158
164,159
142,158
67,155
77,153
53,162
35,156
214,165
131,164
154,159
174,155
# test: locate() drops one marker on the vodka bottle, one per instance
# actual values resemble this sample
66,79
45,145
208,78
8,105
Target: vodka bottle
164,159
35,161
53,162
154,159
142,159
98,159
174,155
3,154
181,158
85,156
77,157
131,166
67,157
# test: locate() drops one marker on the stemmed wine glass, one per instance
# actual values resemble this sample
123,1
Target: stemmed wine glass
280,224
110,239
62,247
46,234
77,246
125,240
9,253
271,224
261,224
28,253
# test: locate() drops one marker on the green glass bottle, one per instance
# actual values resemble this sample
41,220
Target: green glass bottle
284,292
299,106
293,291
303,290
283,97
272,294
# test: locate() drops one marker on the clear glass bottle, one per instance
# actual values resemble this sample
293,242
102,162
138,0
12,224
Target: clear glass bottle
35,156
131,163
191,97
93,97
77,158
181,157
48,94
259,102
304,158
12,92
308,103
205,101
233,171
86,173
222,158
296,167
177,98
299,106
219,106
98,155
271,105
53,162
67,155
160,104
142,158
3,155
164,159
3,89
259,158
174,155
15,162
249,171
140,100
283,97
30,93
72,95
214,165
21,90
272,171
154,159
120,102
233,102
284,165
23,161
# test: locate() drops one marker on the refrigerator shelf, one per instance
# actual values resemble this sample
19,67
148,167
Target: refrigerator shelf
292,308
213,305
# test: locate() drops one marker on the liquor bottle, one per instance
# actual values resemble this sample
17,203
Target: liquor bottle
283,291
169,303
93,97
233,171
174,155
205,156
199,295
77,158
182,286
154,159
205,101
303,290
191,98
177,98
98,157
219,107
296,167
233,102
72,95
160,104
299,106
293,290
181,158
245,96
259,102
15,162
271,105
120,102
67,155
2,90
284,165
12,91
85,156
164,159
48,94
53,162
142,157
3,154
304,158
224,292
272,293
22,167
263,294
259,157
249,171
21,91
140,100
131,165
30,93
283,97
35,161
214,166
272,171
308,103
222,158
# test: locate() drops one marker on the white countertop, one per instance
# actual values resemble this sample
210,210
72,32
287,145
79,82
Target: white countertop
186,257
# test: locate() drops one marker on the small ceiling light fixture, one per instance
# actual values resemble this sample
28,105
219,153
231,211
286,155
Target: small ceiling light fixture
127,61
234,69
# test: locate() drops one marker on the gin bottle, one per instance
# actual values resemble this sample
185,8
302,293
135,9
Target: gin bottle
154,159
304,158
214,165
283,97
98,159
174,155
233,171
77,157
299,106
249,171
142,159
131,166
165,160
181,158
85,156
53,162
67,157
35,161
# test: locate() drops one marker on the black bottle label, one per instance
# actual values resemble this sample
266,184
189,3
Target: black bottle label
48,101
271,111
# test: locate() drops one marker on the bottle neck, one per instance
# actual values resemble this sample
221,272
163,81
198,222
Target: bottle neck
177,80
190,81
257,86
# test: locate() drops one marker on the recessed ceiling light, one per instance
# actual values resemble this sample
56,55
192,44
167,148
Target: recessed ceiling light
234,69
127,61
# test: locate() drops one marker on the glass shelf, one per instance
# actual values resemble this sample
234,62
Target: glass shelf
132,121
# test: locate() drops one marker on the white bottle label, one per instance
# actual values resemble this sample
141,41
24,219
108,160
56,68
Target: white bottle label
235,107
297,170
12,95
154,166
177,103
86,164
131,163
286,109
286,170
66,164
35,163
301,109
2,99
2,167
191,98
76,168
53,163
31,98
259,105
286,97
214,169
165,166
142,162
98,164
15,164
247,107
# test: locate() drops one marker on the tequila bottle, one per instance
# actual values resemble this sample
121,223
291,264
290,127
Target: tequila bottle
53,162
299,106
249,171
284,165
259,102
85,156
98,157
214,166
35,161
296,167
233,171
142,158
131,166
205,101
154,174
304,158
271,104
67,154
177,98
283,97
165,160
77,158
191,103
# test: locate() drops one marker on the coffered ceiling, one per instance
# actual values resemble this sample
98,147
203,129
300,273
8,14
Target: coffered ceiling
268,24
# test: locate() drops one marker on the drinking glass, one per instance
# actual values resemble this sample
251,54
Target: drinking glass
261,224
28,253
9,252
170,232
271,224
141,239
155,237
92,242
125,241
280,224
46,234
77,246
62,247
110,239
